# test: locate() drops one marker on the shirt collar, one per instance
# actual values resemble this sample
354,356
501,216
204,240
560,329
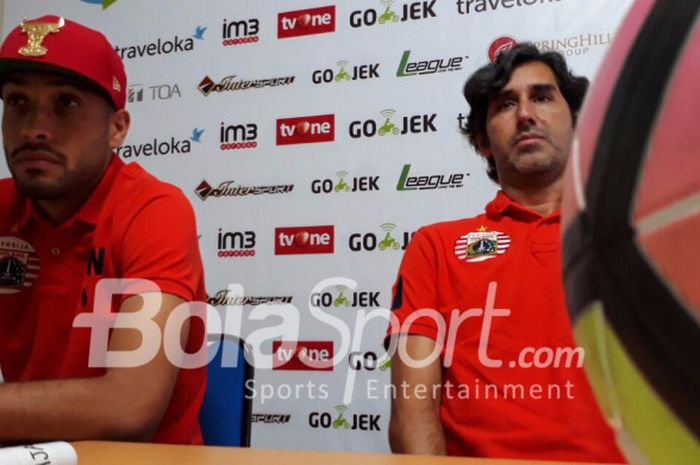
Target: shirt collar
90,210
502,205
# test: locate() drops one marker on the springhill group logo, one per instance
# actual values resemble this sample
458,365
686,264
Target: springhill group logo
306,22
500,45
306,129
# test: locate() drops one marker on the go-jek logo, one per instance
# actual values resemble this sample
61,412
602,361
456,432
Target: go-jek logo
412,124
344,299
345,73
306,129
341,420
105,3
359,242
356,184
413,11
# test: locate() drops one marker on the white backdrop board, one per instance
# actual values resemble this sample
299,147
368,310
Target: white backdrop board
312,138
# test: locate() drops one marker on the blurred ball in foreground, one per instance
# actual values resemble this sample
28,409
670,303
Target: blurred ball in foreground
631,225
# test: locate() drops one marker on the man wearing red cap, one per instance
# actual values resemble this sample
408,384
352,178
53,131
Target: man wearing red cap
73,214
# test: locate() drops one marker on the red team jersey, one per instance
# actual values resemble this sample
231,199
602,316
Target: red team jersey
528,407
132,226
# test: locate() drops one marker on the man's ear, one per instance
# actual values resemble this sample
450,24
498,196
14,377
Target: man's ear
484,147
118,128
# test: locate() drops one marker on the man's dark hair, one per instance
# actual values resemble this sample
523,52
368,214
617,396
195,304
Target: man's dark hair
488,81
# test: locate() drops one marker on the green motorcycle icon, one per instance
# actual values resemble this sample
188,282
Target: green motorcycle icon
341,422
342,186
385,365
388,127
341,300
387,242
342,75
388,15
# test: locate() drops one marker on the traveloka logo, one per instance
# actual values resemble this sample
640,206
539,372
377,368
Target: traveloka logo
388,239
413,11
160,46
411,124
430,66
171,146
105,3
465,7
344,421
354,184
345,73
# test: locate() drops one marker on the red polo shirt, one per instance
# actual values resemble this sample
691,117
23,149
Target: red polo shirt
528,408
132,226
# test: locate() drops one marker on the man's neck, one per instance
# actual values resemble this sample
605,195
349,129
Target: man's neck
543,200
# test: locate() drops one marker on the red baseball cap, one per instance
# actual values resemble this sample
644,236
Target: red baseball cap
58,45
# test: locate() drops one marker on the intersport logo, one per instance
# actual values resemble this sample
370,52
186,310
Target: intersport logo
306,22
306,129
300,240
302,355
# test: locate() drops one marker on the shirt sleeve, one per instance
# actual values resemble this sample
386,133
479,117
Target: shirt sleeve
415,301
160,244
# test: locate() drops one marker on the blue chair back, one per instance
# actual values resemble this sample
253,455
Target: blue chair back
225,415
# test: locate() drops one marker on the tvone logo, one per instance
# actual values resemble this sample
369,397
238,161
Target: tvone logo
357,72
306,22
236,32
341,420
387,240
238,136
302,355
343,298
235,244
413,124
306,129
355,184
304,240
413,11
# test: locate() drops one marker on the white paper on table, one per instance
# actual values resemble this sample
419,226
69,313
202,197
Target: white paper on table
49,453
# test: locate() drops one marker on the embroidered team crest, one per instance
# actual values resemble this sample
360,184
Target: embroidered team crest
481,245
19,265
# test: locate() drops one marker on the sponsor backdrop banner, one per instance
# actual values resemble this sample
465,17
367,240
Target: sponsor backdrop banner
313,138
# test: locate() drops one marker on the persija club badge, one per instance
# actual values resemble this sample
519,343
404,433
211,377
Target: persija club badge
480,245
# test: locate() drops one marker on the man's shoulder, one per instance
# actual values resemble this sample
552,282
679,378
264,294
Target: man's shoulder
452,227
8,196
135,187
